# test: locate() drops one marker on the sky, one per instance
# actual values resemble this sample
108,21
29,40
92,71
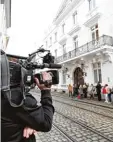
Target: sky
30,19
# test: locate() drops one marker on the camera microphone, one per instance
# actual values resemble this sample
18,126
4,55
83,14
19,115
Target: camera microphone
51,65
45,65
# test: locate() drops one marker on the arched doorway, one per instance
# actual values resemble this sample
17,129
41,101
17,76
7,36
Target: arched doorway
78,76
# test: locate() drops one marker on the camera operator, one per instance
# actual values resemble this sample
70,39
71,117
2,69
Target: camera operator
18,124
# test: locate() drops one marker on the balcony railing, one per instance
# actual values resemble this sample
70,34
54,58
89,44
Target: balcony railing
88,47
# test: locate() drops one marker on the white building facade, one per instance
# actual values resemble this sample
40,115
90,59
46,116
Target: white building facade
2,26
81,39
5,22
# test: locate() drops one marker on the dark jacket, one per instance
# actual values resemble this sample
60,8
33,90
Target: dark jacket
14,120
98,88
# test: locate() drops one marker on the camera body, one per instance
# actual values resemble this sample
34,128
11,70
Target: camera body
15,74
22,73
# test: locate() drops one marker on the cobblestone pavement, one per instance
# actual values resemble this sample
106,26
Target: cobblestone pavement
97,109
78,133
53,136
73,130
101,124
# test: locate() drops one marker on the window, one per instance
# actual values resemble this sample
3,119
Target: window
97,72
92,4
95,76
75,18
99,75
63,29
64,49
56,53
75,40
95,33
56,36
2,1
64,77
50,41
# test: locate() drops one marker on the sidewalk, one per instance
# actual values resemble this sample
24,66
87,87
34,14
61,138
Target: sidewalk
87,100
84,100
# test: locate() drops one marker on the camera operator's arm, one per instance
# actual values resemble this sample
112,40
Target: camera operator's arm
38,118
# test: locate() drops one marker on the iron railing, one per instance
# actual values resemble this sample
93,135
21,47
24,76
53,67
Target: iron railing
88,47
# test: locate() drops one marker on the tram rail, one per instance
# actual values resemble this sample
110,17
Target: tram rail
110,117
86,102
69,138
81,125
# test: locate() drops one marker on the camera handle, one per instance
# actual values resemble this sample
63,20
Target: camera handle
45,65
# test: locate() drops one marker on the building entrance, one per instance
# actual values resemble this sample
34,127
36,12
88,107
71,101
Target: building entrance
78,76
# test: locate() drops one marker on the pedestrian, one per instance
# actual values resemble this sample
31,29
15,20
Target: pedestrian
98,90
85,87
112,90
81,91
91,90
75,93
73,89
104,91
109,91
70,89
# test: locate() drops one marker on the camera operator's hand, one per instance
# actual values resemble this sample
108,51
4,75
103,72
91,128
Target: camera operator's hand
28,131
46,77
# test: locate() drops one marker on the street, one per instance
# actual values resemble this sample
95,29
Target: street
78,121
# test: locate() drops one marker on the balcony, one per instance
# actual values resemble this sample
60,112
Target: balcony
63,39
74,30
86,48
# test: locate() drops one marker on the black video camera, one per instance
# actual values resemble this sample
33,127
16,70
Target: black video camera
22,70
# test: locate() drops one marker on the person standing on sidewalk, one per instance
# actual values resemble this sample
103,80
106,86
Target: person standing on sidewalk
85,87
98,90
91,90
109,94
70,89
105,92
81,91
75,91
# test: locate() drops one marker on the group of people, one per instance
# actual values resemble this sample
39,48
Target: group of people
85,90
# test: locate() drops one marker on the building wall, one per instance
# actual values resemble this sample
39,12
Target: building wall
8,12
105,26
101,14
2,26
90,77
107,73
5,22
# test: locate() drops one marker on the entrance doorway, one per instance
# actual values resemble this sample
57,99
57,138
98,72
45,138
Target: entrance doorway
78,76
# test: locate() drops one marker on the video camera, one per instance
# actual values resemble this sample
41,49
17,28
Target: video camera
22,70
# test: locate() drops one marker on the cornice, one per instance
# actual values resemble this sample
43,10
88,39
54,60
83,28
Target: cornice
93,20
70,4
61,9
74,30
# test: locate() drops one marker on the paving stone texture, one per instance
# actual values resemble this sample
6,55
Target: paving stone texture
78,133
